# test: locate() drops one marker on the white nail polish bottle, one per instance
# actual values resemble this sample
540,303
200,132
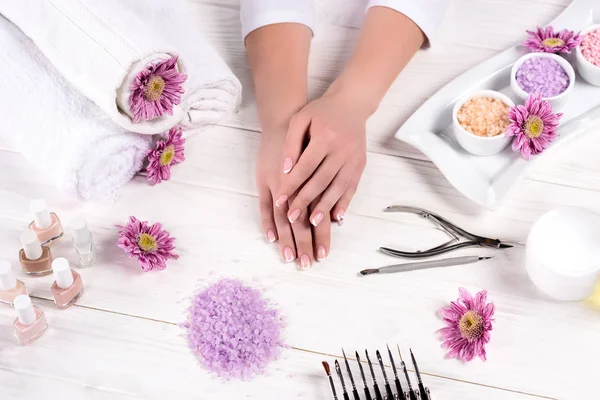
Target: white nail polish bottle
83,242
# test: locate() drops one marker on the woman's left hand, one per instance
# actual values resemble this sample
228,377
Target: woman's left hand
324,155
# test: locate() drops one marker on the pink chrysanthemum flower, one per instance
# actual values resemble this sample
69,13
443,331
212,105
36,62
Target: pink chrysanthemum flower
165,154
468,325
150,244
547,41
155,90
533,126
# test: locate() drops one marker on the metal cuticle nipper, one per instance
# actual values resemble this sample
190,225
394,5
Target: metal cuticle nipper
454,231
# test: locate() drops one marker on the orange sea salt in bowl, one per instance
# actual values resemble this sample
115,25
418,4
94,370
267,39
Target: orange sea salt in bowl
480,120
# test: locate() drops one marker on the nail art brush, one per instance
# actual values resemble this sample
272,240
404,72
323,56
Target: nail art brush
375,385
396,379
422,389
388,388
411,393
328,372
354,391
414,266
362,373
339,372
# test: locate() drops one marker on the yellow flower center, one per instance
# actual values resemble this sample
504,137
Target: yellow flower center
534,126
167,155
553,42
147,242
471,325
155,88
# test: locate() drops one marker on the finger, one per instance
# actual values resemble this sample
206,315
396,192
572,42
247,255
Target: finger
316,185
322,238
333,194
339,210
286,236
307,164
266,214
304,242
294,140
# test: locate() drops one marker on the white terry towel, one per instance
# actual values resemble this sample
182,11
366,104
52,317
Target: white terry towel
100,45
57,129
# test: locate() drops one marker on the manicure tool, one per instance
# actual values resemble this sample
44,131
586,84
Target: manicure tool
400,392
424,392
375,385
362,373
388,388
454,231
354,391
446,262
339,372
411,393
328,372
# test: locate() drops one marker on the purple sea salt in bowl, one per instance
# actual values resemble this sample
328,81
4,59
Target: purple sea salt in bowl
550,75
233,330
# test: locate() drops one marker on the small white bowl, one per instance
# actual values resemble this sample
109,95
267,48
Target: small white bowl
557,102
588,71
480,145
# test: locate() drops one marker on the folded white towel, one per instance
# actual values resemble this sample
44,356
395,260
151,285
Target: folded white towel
100,46
57,129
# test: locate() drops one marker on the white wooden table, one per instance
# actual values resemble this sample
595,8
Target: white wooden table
122,340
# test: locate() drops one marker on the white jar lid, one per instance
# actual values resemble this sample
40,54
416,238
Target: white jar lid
563,253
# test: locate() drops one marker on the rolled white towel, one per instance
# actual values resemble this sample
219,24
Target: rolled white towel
100,46
56,128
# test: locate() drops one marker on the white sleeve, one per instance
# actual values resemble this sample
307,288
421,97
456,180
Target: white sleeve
427,14
257,13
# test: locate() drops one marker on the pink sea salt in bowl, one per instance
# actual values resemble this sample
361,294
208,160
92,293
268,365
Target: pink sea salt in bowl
589,71
558,72
479,142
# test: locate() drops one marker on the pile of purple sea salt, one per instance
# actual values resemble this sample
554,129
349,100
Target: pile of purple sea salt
233,330
542,75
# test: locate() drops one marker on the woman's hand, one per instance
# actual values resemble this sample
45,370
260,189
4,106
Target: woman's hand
298,241
327,172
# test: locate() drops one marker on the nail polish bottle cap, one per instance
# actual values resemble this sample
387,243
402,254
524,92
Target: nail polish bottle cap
62,273
7,277
31,245
25,311
41,215
81,233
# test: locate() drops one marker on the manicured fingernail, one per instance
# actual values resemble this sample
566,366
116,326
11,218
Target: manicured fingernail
317,219
288,255
281,200
304,262
340,217
321,253
293,216
270,236
287,165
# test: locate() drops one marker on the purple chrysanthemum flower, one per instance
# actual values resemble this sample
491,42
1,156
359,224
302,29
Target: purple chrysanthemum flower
155,90
533,125
164,155
468,325
150,244
548,41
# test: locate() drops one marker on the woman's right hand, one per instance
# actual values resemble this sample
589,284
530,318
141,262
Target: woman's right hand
299,241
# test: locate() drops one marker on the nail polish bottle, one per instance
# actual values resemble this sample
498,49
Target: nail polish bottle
10,287
31,321
45,224
35,259
67,286
84,245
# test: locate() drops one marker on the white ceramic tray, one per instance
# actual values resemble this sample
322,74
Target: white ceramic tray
487,180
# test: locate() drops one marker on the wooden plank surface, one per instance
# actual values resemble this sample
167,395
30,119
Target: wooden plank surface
122,340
